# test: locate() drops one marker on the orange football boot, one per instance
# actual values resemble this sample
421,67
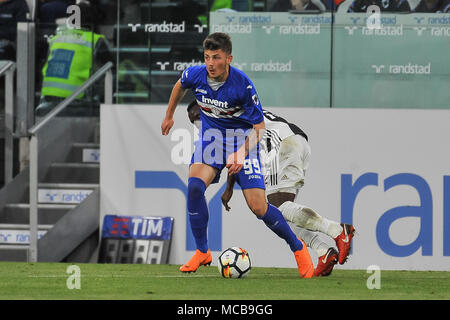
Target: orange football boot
304,262
198,259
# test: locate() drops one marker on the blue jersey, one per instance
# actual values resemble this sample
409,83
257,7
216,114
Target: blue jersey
235,105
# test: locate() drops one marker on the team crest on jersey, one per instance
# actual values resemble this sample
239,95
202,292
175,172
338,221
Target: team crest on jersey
215,111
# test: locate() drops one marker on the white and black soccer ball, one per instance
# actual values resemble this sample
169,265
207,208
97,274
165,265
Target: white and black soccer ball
234,263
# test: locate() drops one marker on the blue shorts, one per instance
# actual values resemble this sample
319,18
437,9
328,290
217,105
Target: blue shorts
215,154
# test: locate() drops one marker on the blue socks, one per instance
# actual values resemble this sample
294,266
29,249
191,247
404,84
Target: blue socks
276,222
198,212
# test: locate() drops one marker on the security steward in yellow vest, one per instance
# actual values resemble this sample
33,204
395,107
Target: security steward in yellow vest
69,63
72,55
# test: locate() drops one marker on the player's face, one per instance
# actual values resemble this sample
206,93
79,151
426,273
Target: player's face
217,63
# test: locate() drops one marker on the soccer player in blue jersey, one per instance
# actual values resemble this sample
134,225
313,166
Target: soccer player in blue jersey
285,154
230,111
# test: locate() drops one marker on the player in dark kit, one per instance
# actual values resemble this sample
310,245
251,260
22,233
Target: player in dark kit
229,104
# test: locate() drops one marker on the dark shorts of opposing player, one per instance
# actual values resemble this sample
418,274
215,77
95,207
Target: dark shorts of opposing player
215,154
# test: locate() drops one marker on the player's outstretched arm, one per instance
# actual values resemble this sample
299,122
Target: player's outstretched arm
175,97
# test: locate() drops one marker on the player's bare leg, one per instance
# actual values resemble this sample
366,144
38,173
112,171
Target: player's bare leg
202,171
278,198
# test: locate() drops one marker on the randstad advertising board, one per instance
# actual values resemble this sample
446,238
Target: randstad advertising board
393,61
385,171
396,64
287,56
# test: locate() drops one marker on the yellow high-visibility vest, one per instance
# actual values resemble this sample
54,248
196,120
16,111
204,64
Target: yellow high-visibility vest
69,63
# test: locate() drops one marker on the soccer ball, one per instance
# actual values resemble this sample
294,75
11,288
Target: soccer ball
234,263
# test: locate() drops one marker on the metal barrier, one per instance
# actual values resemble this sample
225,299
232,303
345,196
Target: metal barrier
8,69
33,132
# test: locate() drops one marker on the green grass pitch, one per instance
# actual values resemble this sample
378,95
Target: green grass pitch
164,282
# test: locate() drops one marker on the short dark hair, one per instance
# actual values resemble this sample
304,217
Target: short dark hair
217,41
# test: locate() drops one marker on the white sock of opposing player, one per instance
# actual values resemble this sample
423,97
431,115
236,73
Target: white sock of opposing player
312,239
307,218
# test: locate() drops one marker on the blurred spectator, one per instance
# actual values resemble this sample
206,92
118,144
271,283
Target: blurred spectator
50,10
436,6
384,5
73,56
299,5
11,12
